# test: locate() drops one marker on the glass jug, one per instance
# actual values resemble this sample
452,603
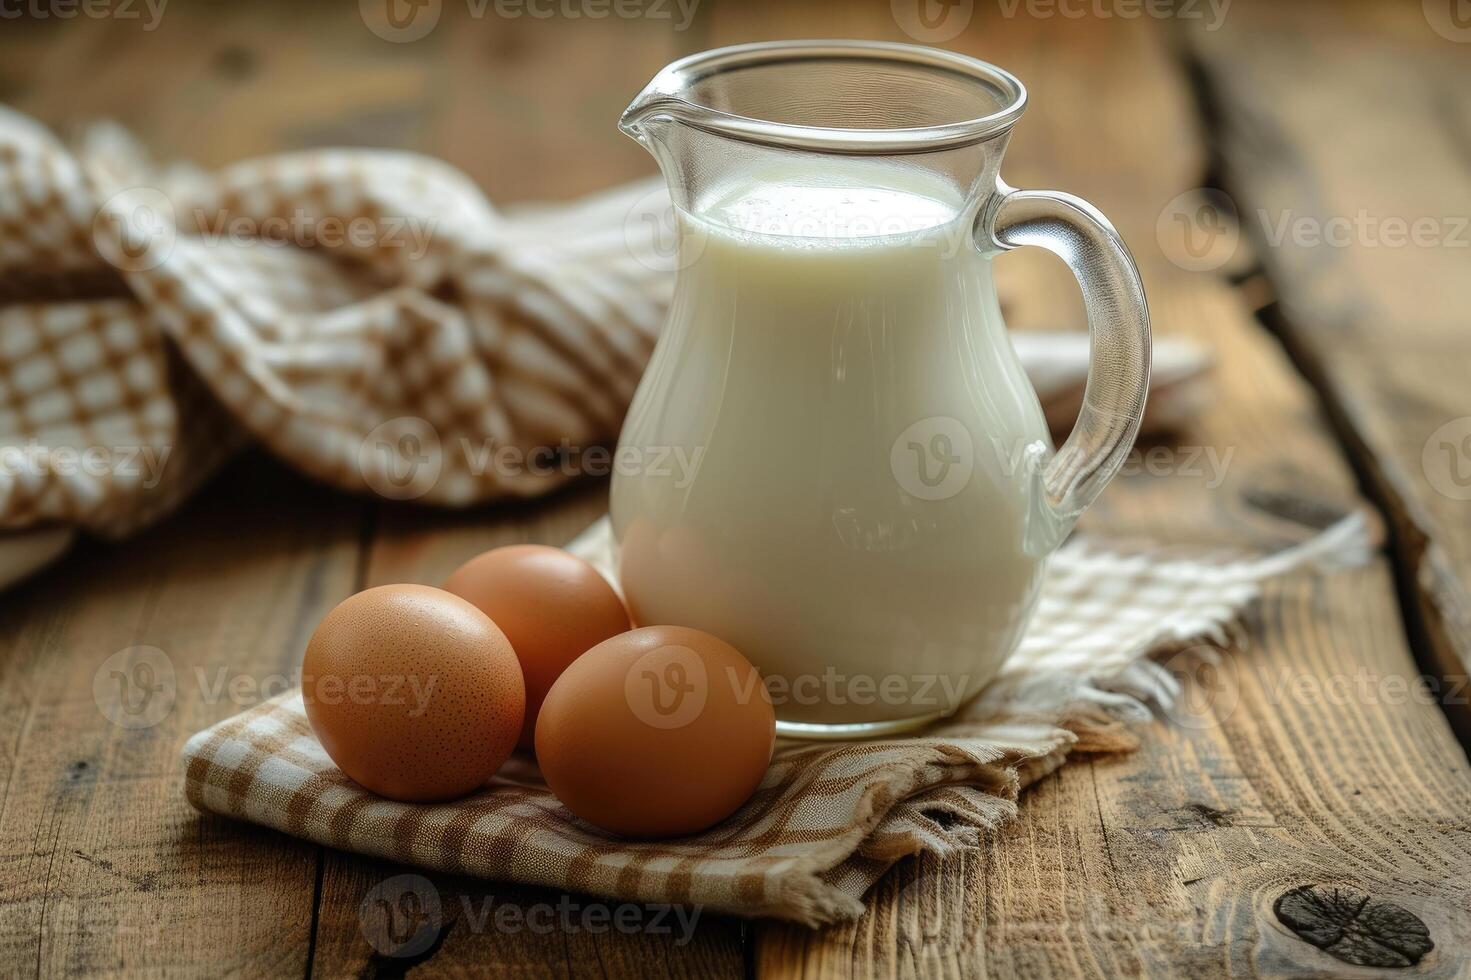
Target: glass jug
868,493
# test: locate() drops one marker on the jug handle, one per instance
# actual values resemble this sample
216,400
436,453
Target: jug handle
1118,328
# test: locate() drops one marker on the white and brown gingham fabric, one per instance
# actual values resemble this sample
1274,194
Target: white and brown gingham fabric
167,316
829,818
152,321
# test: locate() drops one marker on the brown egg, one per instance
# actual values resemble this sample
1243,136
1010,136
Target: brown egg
413,692
659,731
552,605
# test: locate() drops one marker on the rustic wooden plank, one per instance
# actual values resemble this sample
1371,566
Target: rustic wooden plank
533,104
215,83
1358,196
103,865
507,100
1311,763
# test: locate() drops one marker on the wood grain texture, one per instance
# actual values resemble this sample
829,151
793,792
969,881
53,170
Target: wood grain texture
1357,195
104,866
1306,757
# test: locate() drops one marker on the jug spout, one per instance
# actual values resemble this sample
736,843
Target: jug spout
725,116
641,119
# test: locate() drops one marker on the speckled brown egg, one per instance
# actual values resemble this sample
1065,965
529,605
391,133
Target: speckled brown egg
656,732
413,692
552,605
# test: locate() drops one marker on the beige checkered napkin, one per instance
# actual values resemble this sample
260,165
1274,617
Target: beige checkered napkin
157,319
830,818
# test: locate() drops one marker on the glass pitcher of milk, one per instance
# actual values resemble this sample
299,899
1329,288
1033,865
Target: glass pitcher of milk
870,493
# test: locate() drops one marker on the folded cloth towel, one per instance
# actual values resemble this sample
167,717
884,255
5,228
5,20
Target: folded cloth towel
350,310
830,818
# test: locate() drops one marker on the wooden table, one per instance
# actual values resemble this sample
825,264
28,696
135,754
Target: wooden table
1342,383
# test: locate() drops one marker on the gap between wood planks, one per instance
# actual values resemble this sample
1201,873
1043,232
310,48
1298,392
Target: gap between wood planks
1433,649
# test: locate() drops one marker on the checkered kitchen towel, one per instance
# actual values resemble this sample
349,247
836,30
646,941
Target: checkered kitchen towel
338,307
152,321
830,818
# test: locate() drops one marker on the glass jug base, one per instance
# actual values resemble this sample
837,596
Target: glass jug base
810,732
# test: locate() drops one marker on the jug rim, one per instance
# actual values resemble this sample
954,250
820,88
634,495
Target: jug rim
662,98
